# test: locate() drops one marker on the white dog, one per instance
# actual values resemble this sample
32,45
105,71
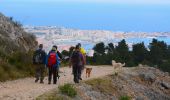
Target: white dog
117,65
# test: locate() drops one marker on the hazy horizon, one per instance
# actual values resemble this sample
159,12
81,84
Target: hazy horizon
113,15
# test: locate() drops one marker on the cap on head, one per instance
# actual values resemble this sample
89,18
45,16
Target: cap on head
41,46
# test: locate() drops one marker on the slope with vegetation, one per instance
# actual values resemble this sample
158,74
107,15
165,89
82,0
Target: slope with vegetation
135,83
15,49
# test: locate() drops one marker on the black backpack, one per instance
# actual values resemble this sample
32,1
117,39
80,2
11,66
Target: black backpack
38,57
75,58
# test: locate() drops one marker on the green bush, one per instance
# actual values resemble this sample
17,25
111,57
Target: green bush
125,98
68,89
19,65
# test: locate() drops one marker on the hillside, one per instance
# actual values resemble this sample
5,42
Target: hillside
13,37
15,49
136,83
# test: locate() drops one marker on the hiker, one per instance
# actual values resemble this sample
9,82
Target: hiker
52,63
76,61
83,52
39,57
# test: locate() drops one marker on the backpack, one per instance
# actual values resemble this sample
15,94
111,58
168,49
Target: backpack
52,60
75,58
38,57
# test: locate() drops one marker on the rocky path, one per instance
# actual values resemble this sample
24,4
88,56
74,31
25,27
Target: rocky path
26,89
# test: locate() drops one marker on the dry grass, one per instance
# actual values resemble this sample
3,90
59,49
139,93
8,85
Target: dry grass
103,85
53,95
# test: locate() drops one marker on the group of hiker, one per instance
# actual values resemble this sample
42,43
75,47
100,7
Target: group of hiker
52,61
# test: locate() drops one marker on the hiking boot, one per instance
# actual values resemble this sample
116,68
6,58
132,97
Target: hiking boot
41,82
76,81
36,80
80,78
54,83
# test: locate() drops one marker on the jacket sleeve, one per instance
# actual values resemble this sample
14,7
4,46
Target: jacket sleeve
57,57
46,62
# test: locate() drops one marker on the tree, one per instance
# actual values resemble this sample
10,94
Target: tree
110,48
139,52
123,52
99,48
158,50
65,53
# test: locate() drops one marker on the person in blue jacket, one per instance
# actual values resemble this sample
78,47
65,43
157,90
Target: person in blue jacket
52,63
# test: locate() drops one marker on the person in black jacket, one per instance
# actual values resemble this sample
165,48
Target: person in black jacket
39,60
76,61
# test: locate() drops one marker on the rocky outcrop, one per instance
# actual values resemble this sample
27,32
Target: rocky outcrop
13,37
139,83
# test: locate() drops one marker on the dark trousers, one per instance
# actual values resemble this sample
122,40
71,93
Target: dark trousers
52,71
82,68
77,73
39,72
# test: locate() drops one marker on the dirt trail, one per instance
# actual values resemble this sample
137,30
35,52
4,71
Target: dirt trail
26,89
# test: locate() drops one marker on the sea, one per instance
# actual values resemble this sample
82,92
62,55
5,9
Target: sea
130,42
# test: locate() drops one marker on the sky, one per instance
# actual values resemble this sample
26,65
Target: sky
114,15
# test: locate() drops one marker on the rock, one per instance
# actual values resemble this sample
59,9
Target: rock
166,74
150,77
165,85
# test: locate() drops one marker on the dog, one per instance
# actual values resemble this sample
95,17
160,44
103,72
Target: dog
117,65
88,72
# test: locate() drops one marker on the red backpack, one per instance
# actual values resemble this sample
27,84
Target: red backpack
52,60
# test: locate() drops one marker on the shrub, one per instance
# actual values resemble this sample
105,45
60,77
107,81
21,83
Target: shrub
125,98
103,85
19,65
68,89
